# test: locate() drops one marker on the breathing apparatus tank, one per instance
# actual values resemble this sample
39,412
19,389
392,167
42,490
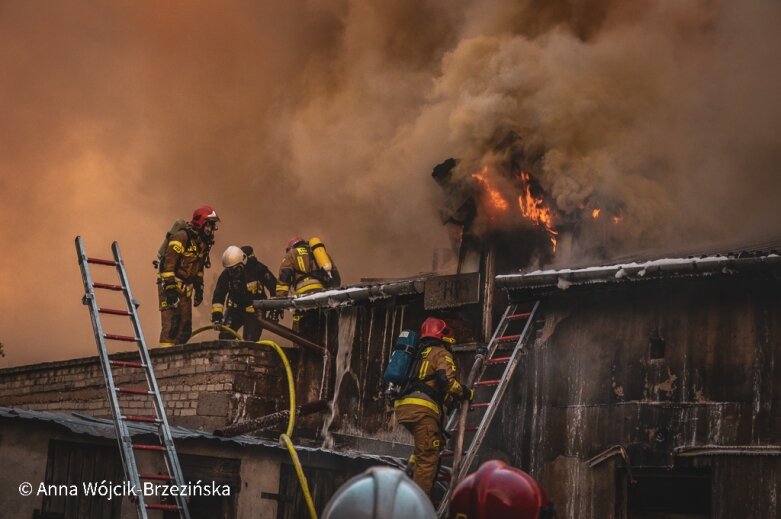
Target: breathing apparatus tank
322,258
403,357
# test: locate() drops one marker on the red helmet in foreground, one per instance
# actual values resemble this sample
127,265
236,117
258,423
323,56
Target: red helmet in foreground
295,240
498,491
436,329
202,215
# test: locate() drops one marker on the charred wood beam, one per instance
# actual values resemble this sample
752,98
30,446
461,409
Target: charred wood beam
271,419
615,450
290,335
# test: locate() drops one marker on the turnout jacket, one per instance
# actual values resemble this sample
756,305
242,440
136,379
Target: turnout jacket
184,260
435,382
242,290
299,271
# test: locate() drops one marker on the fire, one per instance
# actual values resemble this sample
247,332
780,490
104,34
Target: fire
495,198
595,213
534,209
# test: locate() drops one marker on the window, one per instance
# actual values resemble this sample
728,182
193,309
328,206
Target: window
70,463
680,493
657,347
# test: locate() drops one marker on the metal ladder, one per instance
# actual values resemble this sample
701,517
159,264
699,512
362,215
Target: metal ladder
485,378
126,445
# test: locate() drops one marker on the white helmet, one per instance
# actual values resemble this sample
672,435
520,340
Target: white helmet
233,256
379,493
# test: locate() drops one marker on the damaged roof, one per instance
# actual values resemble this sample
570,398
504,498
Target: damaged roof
708,265
103,428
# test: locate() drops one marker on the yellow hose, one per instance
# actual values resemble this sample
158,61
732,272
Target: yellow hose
284,439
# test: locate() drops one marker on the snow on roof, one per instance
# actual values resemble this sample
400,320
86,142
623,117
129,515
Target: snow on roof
635,271
346,296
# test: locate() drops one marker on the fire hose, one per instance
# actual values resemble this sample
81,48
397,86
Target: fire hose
284,438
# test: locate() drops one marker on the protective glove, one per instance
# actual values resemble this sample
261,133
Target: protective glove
171,296
216,318
198,299
468,395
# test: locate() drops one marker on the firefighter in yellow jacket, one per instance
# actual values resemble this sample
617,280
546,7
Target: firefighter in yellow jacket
300,271
181,275
421,408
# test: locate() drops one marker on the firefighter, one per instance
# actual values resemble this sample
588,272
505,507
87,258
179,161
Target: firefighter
300,272
181,275
498,491
421,408
243,281
379,493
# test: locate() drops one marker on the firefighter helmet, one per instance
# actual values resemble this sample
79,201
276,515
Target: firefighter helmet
379,493
293,242
498,491
202,215
436,329
233,256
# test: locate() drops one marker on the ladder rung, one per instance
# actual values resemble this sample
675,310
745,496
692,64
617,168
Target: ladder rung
508,338
482,405
158,477
443,477
126,338
494,382
144,419
471,428
97,261
127,364
153,506
145,447
113,312
499,360
133,391
107,286
515,317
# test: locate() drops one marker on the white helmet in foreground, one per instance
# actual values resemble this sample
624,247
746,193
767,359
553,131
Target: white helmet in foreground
379,493
233,256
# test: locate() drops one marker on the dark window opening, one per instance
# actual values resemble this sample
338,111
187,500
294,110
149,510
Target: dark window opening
322,485
670,494
70,463
657,348
222,471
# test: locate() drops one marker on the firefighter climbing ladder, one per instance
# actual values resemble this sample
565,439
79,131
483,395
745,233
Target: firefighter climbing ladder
126,445
487,377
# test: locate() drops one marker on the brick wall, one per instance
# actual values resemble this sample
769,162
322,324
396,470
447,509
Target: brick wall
205,385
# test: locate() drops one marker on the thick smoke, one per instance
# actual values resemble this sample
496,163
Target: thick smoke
325,117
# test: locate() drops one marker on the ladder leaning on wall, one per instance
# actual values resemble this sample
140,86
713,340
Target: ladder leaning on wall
127,448
490,376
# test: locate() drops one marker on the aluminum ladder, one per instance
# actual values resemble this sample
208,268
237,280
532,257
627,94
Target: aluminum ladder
490,382
121,420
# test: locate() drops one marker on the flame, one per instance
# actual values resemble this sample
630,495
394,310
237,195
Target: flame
595,213
495,198
534,209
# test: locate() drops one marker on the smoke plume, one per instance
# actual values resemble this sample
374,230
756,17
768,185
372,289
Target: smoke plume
325,117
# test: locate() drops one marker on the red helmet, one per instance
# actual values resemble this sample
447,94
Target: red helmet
293,242
202,215
498,491
436,329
